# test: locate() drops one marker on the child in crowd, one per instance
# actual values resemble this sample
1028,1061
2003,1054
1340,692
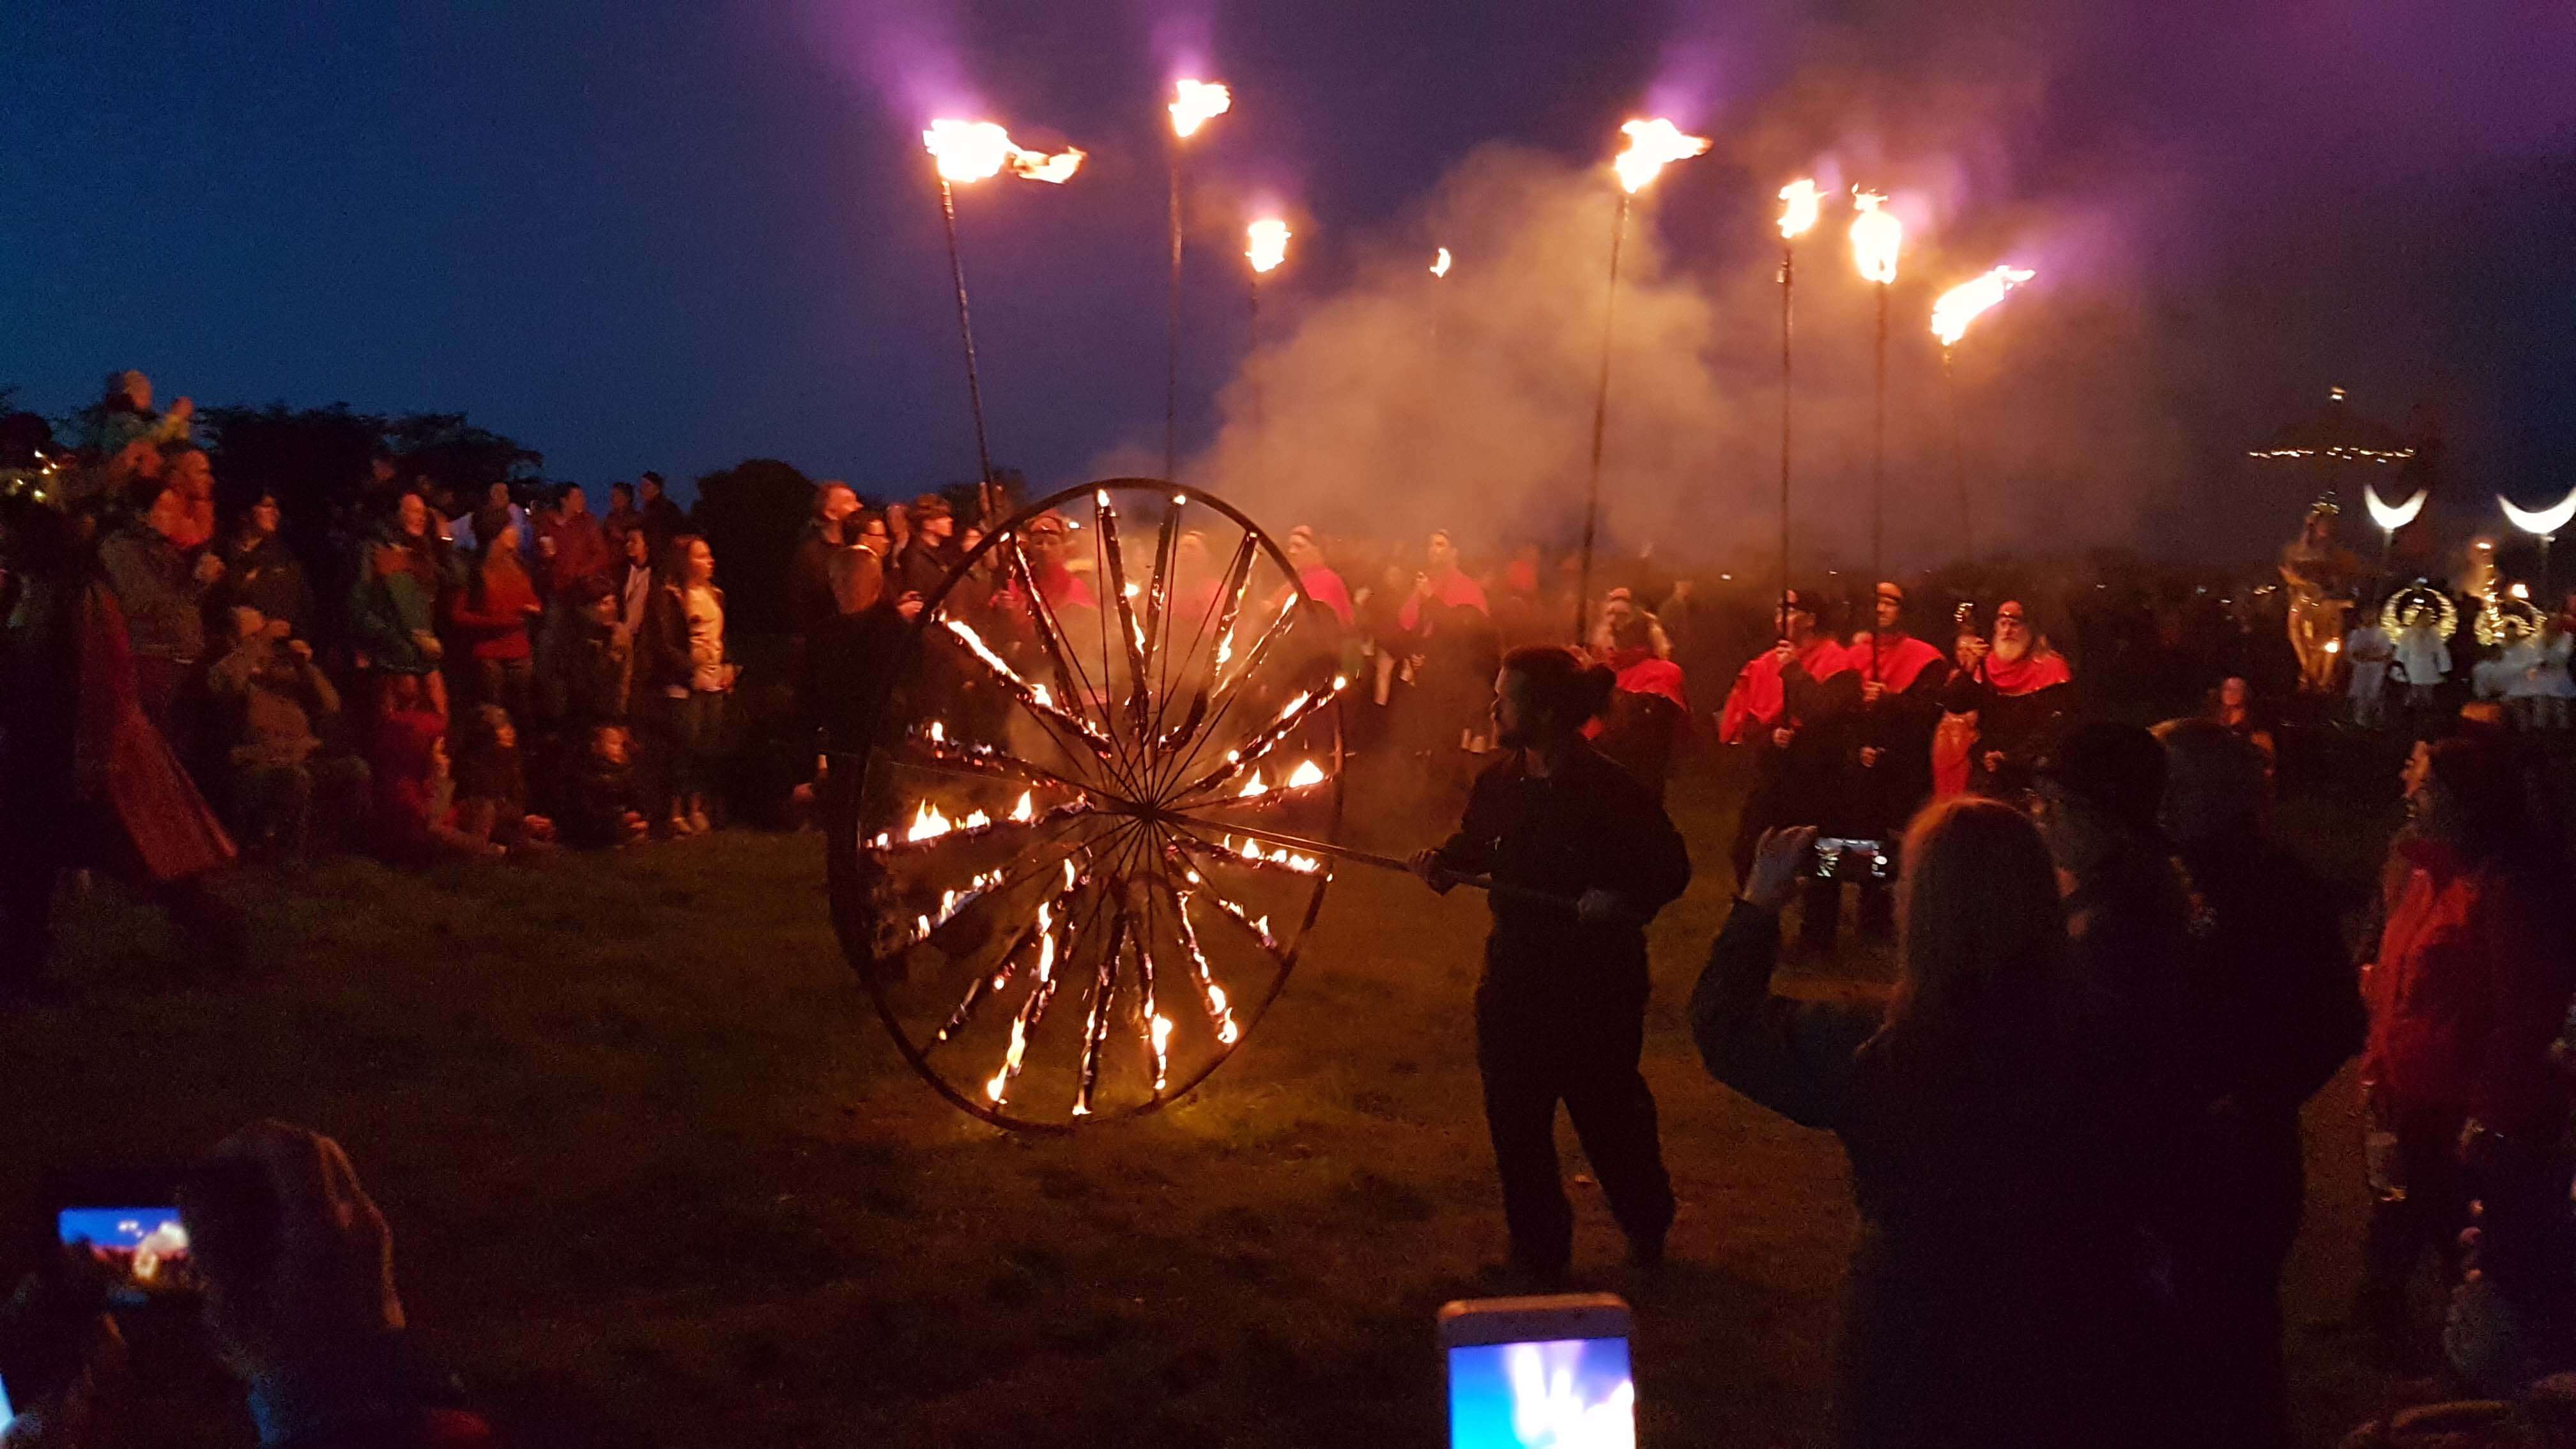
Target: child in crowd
415,795
491,787
599,795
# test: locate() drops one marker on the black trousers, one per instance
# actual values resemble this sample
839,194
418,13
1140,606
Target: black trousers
2231,1229
1536,1053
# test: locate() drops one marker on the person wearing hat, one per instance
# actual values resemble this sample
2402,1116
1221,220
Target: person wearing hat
2019,690
1890,765
1789,706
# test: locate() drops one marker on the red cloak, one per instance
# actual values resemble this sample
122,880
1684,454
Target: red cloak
1456,591
1759,698
2041,668
1325,587
1898,664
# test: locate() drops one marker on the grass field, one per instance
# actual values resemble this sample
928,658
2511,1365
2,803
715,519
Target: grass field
657,1177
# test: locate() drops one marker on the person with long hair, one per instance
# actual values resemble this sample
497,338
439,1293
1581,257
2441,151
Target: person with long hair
2468,987
683,658
393,606
1561,1008
2003,1290
491,615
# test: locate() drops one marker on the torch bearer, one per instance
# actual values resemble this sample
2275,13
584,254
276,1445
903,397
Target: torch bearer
2542,525
968,151
1265,245
1952,311
1799,204
1875,235
1194,104
1652,145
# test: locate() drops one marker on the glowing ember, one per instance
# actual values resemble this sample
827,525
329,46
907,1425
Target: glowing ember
1653,145
1266,243
1959,306
1026,810
1308,773
1440,263
1875,237
975,150
1162,1050
1044,987
1799,205
927,824
1195,103
1253,786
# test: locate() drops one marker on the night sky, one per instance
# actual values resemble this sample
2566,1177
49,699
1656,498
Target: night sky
674,235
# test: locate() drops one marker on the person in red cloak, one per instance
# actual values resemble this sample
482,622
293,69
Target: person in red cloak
1322,584
1447,613
2021,691
1901,682
1790,707
1649,711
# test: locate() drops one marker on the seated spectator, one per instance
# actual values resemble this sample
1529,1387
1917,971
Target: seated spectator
261,572
415,814
491,787
271,700
600,795
491,614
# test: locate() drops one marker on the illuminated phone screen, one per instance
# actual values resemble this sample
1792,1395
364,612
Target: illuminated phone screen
1567,1393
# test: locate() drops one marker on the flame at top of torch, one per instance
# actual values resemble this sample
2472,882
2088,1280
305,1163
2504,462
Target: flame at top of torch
1875,237
1195,103
1653,145
1800,203
1954,309
1265,243
974,150
1440,262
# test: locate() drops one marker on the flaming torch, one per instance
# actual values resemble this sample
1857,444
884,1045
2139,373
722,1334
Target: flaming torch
1265,245
2543,525
969,151
1799,205
1652,145
1952,311
1875,236
1194,104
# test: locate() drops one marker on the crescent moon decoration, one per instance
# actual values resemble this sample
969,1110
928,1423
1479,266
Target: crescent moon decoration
2417,604
2393,519
2545,522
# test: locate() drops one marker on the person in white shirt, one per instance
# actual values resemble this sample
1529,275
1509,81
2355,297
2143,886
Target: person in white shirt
2367,650
2423,657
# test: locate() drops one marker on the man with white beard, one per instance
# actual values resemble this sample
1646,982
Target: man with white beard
2021,691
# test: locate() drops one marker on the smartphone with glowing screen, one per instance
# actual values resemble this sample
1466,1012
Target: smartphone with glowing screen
1539,1373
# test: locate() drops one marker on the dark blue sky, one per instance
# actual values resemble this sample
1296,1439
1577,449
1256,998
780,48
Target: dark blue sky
654,234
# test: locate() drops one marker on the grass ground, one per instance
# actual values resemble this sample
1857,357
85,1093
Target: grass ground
657,1177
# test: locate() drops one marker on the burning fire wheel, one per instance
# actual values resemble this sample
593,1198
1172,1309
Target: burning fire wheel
1071,872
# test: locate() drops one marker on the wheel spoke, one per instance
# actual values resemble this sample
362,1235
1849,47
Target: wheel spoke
1225,601
1040,933
1226,691
1252,751
1062,723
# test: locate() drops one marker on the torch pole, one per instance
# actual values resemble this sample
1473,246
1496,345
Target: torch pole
1484,883
1254,359
1878,480
1788,278
1600,423
966,334
1958,459
1172,336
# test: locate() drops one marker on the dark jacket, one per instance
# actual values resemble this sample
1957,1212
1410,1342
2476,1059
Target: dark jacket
2003,1290
156,587
810,600
1590,824
265,574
